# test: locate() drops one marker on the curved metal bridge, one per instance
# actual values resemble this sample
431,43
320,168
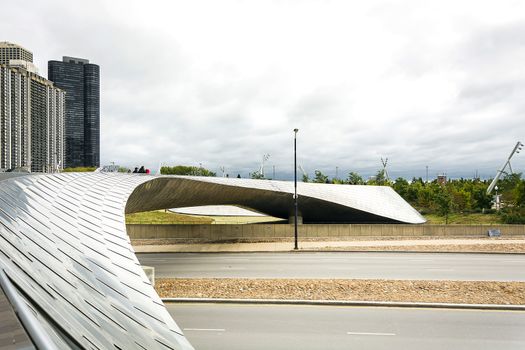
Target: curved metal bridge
68,268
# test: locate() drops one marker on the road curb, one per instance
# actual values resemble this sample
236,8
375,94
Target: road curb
348,303
323,251
407,251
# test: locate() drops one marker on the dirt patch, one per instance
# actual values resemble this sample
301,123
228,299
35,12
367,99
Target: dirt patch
469,292
464,248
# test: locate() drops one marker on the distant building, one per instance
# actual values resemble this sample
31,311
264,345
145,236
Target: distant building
10,51
31,115
28,66
442,179
81,81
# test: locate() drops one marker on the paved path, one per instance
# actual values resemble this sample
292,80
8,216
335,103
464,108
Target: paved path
288,246
362,265
247,327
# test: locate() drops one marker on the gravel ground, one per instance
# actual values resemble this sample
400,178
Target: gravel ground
465,248
472,292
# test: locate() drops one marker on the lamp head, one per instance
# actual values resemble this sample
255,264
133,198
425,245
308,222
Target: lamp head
295,130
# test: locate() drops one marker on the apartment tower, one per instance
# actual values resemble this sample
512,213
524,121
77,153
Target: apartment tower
10,51
31,115
81,81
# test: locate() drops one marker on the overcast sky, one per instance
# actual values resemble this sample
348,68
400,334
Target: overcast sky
221,83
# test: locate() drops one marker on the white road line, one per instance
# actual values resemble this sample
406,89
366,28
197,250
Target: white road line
437,269
366,333
158,260
205,329
421,260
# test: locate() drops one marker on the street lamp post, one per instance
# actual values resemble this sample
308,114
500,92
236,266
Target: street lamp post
295,184
497,198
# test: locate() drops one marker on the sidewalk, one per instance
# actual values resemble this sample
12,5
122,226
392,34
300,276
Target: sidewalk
460,245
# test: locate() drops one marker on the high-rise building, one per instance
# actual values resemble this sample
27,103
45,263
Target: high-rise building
81,81
31,118
10,51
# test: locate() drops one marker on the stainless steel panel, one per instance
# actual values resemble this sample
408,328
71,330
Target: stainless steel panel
63,244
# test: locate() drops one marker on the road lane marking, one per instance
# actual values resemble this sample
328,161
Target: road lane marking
205,329
368,333
436,269
155,260
421,260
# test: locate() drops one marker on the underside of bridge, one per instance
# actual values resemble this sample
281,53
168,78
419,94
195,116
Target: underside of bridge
318,203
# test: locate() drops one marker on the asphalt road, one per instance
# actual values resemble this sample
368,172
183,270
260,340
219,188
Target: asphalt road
417,266
226,326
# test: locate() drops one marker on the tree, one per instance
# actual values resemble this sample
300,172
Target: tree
426,194
481,199
355,179
507,185
380,179
257,175
320,177
79,170
186,170
462,199
306,178
401,187
519,194
515,213
443,202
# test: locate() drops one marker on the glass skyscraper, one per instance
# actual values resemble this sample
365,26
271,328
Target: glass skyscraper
81,81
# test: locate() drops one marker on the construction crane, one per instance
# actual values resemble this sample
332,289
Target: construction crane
265,158
305,175
259,174
501,171
385,162
159,169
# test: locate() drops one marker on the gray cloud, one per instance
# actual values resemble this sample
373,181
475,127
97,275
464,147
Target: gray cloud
440,86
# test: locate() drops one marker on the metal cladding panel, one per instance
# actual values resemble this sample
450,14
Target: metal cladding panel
63,243
382,201
376,203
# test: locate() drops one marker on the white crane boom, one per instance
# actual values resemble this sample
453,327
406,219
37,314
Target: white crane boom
516,149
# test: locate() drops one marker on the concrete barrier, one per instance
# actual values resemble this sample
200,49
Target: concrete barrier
213,233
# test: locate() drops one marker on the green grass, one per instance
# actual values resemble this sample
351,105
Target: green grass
161,217
464,219
241,220
79,170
